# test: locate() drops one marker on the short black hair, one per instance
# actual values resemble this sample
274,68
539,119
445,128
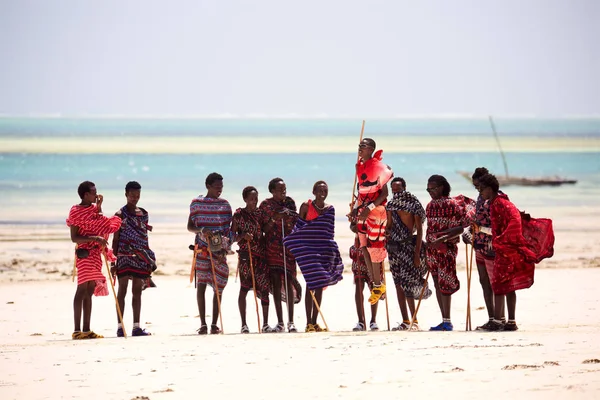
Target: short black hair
133,185
398,179
212,178
371,142
441,181
85,187
479,172
317,183
489,180
247,191
273,182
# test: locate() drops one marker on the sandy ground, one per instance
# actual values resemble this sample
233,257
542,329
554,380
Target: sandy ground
555,354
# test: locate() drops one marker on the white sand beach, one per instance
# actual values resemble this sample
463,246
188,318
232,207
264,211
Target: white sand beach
555,354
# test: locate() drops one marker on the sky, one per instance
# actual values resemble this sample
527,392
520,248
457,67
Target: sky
332,58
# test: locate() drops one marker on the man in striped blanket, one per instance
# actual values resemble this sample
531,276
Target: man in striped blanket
210,219
315,250
89,230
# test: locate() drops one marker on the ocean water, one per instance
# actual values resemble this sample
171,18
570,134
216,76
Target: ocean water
41,187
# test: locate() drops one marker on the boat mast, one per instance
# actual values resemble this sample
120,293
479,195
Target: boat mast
499,146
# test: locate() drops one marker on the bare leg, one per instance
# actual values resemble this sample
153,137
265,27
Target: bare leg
488,295
200,291
276,282
80,294
136,299
359,300
265,309
372,267
215,308
446,303
402,302
315,310
121,294
411,305
511,305
438,295
87,305
242,305
308,307
290,301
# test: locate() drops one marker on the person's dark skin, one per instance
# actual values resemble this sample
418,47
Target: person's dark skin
359,297
511,298
365,152
444,301
133,197
279,194
484,280
82,302
320,192
251,201
413,223
212,191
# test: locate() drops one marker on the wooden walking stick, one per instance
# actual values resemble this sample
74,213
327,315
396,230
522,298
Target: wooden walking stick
414,318
114,294
469,274
193,269
353,199
212,264
253,286
74,272
387,313
312,293
468,281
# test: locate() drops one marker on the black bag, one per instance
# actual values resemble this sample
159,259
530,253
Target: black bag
82,253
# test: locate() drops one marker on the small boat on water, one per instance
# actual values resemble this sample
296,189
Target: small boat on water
508,180
520,181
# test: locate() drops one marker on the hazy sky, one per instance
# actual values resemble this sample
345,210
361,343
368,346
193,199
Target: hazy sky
275,57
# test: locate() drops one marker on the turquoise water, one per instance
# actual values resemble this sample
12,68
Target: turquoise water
65,127
47,183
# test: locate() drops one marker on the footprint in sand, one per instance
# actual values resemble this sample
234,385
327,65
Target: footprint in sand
520,366
591,361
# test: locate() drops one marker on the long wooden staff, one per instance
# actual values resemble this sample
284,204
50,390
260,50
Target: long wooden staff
253,285
414,317
114,293
469,274
312,293
387,313
212,264
353,199
193,269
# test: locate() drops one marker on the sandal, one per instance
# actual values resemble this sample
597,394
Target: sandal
319,329
203,330
291,327
376,293
401,327
279,328
310,328
359,327
267,329
90,335
77,335
245,329
214,329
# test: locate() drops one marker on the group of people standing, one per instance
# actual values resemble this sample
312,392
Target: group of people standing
275,237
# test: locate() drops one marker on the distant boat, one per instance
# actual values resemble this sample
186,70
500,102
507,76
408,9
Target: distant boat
508,180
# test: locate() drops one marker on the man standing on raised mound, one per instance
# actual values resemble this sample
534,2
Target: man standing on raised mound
372,178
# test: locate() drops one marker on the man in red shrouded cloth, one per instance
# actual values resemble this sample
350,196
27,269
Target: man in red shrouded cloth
369,209
516,256
90,230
